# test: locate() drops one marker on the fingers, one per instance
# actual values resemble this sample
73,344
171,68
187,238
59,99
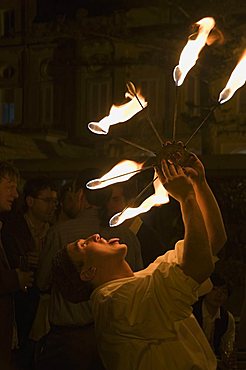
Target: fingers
170,169
165,169
192,159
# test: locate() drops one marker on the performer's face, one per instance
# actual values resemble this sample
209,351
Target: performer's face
96,249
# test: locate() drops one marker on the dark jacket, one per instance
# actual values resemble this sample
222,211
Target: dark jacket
18,241
8,285
220,325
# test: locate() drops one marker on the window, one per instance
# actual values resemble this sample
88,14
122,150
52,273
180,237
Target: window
150,91
7,22
192,96
99,99
10,107
46,105
8,114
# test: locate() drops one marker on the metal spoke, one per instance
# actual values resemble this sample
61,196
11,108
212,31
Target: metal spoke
140,194
175,113
131,88
203,121
136,146
127,173
151,123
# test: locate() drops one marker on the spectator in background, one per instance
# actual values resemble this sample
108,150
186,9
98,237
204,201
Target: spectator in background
217,322
69,200
23,238
11,279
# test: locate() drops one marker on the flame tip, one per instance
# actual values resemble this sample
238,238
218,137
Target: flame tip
115,220
93,184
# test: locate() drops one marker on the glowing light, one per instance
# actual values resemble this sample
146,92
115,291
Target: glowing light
190,53
236,80
118,173
159,197
119,114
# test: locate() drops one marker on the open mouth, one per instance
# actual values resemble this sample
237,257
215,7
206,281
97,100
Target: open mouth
114,241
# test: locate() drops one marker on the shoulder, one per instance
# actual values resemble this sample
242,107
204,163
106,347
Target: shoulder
16,227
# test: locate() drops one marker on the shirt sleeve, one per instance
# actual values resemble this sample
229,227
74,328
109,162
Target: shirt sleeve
176,256
175,291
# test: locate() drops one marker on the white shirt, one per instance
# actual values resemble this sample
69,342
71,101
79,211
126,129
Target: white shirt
145,322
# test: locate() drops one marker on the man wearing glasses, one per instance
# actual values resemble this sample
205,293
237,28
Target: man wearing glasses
23,239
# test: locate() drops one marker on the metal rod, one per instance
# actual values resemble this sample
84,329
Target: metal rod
127,173
150,121
140,194
203,121
175,112
136,145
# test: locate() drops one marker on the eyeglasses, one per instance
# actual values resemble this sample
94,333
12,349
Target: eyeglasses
48,200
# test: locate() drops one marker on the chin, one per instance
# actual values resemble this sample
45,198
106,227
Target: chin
123,249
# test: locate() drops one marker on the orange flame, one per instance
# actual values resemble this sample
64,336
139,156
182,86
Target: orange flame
190,53
236,80
119,114
159,197
122,171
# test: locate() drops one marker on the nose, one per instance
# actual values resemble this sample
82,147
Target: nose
94,237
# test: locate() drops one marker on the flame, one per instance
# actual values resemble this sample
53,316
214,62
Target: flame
122,171
159,197
236,80
119,114
190,53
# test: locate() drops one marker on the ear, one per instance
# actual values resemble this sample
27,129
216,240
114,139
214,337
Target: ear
89,274
29,201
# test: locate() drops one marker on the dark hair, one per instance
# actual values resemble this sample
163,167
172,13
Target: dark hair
7,169
66,279
218,281
34,186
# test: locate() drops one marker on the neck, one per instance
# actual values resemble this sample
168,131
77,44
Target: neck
34,221
212,310
113,272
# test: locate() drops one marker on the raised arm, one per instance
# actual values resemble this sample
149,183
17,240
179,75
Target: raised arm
207,203
197,257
